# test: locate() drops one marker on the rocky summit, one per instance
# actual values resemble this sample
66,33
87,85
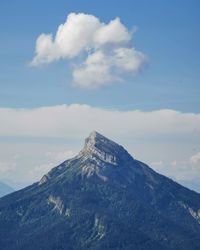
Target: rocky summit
101,199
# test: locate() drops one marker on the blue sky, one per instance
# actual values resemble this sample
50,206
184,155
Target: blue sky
154,113
168,33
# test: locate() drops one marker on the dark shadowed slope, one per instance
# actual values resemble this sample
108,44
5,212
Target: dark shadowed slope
101,199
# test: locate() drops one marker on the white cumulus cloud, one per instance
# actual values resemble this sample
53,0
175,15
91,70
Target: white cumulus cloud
105,51
95,71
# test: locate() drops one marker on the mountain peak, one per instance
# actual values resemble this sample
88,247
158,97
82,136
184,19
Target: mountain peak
96,139
98,156
81,201
94,136
97,145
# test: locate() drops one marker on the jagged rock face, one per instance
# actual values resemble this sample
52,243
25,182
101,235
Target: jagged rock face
100,157
101,199
98,146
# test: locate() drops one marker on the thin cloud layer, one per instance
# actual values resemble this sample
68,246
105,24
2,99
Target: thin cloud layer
105,51
58,121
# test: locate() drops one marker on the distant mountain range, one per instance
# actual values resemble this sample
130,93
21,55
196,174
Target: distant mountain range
101,199
5,189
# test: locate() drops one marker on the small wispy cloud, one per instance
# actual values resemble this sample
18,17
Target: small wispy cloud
105,51
51,159
7,167
181,170
60,156
195,159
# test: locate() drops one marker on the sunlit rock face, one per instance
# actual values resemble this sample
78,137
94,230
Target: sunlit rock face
101,199
99,147
101,155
